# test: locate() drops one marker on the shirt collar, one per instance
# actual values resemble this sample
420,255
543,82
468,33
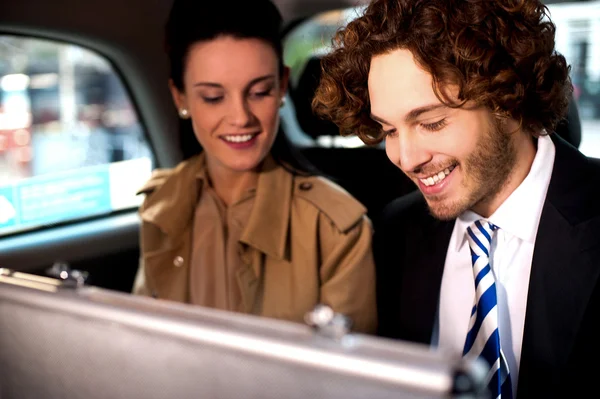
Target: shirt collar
205,182
519,215
267,226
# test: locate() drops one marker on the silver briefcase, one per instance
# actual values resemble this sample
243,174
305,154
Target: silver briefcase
60,339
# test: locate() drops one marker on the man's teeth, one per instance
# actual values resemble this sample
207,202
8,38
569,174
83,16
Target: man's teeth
238,138
437,178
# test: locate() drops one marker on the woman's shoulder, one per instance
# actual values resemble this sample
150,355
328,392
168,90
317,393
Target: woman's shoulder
331,199
157,179
160,176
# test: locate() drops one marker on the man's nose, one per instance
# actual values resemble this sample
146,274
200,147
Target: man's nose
408,151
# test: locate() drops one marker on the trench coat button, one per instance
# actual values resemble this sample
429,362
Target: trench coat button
178,261
305,186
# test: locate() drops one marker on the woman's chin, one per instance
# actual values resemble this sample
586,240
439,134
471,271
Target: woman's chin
237,162
241,166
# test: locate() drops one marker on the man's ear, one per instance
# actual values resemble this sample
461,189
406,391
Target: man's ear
513,126
506,124
179,98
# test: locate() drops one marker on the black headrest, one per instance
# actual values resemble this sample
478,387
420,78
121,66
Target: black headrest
302,95
570,128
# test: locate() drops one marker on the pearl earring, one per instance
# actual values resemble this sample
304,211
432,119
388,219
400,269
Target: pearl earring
282,102
184,113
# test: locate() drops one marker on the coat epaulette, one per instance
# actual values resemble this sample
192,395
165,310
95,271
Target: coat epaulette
335,202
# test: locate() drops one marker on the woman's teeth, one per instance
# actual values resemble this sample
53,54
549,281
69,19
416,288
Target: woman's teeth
238,138
437,178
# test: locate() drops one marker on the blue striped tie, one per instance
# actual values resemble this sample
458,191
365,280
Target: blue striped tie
483,338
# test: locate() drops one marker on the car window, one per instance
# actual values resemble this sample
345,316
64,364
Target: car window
309,39
577,38
71,143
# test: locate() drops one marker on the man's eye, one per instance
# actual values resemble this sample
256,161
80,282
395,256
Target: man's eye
434,127
390,133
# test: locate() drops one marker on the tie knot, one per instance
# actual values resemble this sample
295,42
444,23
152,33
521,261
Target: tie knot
479,235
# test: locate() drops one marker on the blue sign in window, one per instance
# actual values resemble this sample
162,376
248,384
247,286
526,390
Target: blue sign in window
8,207
67,196
57,197
63,197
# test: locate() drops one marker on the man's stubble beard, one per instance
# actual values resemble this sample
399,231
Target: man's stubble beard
485,173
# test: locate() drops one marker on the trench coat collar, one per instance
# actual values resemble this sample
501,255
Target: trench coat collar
267,228
171,201
172,204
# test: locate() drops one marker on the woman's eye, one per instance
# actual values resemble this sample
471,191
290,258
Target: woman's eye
212,100
434,127
263,93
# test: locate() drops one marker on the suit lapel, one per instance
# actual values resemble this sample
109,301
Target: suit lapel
422,278
563,274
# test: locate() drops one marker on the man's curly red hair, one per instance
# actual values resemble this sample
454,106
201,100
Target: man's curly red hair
499,53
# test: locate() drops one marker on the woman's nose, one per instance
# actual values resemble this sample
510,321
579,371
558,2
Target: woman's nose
240,114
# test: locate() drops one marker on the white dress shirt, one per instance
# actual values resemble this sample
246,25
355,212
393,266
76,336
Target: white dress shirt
518,219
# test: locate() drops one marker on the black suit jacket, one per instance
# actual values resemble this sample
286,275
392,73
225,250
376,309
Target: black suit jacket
561,343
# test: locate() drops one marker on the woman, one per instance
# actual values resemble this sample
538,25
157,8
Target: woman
244,226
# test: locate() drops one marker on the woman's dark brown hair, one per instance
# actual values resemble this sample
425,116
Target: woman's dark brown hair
500,54
193,21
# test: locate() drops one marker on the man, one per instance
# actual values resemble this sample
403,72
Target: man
497,255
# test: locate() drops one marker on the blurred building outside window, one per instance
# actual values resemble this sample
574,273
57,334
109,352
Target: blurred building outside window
71,144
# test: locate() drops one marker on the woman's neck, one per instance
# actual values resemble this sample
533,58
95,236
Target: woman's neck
230,185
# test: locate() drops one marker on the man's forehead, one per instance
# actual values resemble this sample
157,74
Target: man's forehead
397,84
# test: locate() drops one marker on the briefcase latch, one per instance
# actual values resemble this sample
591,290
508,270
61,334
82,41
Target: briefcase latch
327,322
71,278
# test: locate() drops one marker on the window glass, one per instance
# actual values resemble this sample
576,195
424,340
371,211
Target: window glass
577,38
307,41
71,144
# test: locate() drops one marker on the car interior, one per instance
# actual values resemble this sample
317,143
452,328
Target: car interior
127,36
86,116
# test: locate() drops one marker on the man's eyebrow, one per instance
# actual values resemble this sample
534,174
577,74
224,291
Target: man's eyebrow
252,82
412,115
415,113
380,120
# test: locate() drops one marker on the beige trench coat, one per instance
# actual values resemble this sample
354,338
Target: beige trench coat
307,242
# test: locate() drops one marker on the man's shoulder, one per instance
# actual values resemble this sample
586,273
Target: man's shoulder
405,217
594,166
575,184
409,208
